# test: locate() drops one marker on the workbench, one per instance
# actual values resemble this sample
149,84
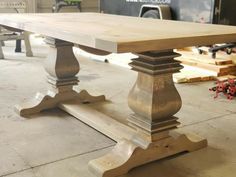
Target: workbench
151,132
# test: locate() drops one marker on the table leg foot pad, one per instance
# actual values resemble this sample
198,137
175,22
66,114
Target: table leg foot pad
126,154
52,99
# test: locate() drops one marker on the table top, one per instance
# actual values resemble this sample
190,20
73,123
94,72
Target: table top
119,34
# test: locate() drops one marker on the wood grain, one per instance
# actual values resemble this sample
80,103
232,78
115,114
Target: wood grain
119,34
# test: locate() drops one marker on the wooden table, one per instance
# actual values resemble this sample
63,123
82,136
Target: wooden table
150,133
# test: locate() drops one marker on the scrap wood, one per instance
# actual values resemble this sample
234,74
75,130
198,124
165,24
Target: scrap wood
219,60
217,68
192,74
226,77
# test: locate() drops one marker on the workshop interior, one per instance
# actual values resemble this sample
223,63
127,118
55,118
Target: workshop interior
117,88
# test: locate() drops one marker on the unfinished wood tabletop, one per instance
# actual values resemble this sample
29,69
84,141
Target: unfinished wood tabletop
120,33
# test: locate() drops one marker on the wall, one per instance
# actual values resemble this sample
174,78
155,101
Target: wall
46,6
30,6
87,5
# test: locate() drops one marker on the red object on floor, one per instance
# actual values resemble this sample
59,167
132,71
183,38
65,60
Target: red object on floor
228,88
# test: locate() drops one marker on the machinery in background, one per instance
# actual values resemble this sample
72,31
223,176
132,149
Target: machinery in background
65,3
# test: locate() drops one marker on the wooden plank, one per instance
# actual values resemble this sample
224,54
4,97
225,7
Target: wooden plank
191,77
226,77
192,74
217,68
101,122
120,33
219,60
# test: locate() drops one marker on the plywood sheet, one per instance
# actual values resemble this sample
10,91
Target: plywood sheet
120,33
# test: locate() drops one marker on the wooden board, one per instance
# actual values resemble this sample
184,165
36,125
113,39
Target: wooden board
217,68
120,33
192,74
226,77
221,59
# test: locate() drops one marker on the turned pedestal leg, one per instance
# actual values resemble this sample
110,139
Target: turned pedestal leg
62,68
28,48
154,101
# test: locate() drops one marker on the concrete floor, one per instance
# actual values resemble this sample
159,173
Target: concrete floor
54,144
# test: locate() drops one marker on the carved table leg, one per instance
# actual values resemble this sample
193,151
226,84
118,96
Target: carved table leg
28,48
62,67
154,100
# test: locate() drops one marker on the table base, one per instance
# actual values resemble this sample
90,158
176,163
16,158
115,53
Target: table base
148,135
133,147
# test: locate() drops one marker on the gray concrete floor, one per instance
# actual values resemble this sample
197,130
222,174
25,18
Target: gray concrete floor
54,144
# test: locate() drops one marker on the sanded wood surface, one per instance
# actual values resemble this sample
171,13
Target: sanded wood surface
120,33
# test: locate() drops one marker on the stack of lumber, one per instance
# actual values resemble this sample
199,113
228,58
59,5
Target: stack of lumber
202,67
226,77
193,74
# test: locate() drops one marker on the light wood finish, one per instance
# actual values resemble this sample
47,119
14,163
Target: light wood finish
154,100
226,77
221,58
61,66
28,49
192,74
154,114
134,148
149,135
220,69
202,67
101,122
128,154
119,33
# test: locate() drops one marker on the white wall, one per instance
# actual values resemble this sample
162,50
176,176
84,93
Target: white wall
87,6
10,10
46,6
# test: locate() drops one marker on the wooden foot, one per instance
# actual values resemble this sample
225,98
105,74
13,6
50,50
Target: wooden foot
53,98
128,154
62,67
